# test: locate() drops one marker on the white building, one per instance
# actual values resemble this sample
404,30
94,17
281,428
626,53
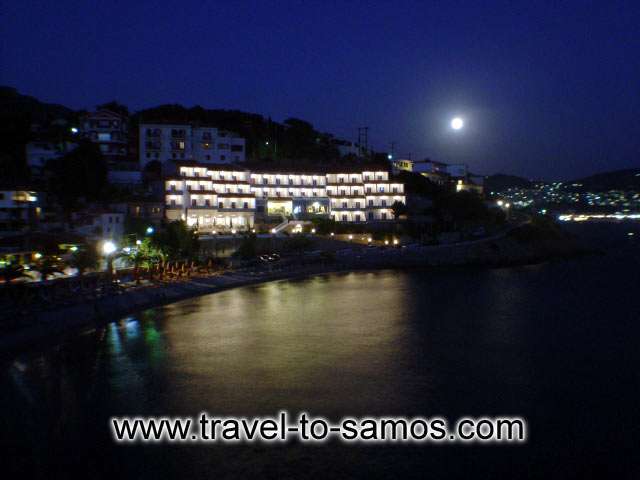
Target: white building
18,209
166,143
218,197
38,153
435,171
99,225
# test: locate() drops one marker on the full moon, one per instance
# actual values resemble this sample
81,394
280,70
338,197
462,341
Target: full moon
457,123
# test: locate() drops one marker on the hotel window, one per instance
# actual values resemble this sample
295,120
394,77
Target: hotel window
344,204
207,202
381,189
233,204
194,203
344,218
395,189
315,182
245,205
220,205
222,157
357,204
173,202
383,202
341,180
368,189
208,157
384,215
370,215
357,217
371,203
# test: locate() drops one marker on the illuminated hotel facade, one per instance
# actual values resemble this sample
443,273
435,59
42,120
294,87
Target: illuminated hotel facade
223,197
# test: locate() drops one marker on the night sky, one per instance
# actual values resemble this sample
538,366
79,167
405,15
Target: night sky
547,89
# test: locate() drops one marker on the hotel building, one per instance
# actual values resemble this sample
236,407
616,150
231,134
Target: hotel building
170,143
219,197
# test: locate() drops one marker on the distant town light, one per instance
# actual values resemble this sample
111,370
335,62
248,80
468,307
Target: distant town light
37,255
273,230
73,248
390,157
108,247
332,234
395,241
350,237
138,242
369,239
500,203
150,230
74,130
386,242
313,230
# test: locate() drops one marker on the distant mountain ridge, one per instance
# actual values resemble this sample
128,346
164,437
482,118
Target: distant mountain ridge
613,180
627,179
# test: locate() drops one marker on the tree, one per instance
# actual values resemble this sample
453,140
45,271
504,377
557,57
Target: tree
398,208
86,258
81,173
143,255
177,240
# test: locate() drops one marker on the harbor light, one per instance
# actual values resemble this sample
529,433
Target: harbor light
350,237
386,242
37,255
73,248
74,130
108,247
369,239
395,241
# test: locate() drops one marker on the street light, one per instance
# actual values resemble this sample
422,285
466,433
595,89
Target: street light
108,247
149,230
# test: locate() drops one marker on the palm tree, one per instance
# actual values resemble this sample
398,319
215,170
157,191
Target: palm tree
398,209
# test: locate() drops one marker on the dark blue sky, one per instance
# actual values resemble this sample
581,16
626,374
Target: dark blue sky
547,89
